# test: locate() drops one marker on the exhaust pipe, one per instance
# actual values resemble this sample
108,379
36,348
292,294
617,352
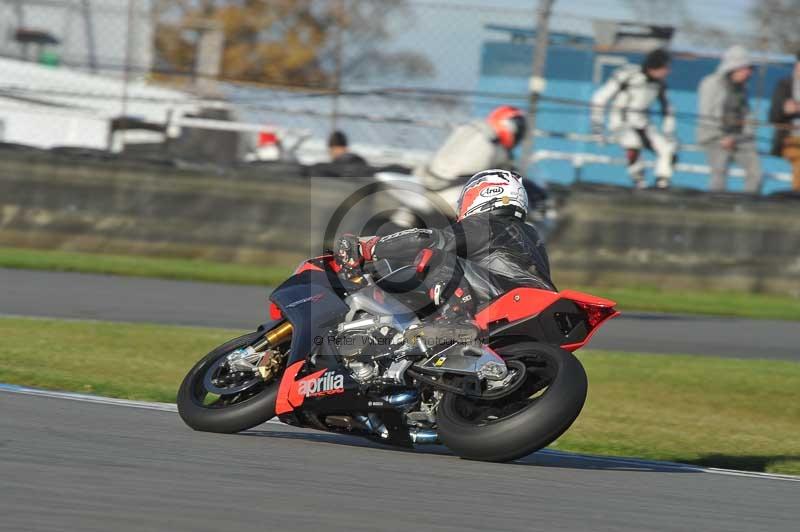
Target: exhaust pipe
423,436
401,399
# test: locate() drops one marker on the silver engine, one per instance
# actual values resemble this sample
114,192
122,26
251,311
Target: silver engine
372,347
369,348
370,340
372,344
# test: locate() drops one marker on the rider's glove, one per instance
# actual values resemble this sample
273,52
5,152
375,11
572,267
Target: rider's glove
348,252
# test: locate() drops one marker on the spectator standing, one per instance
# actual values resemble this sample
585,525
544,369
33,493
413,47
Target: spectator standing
784,112
725,129
632,89
340,152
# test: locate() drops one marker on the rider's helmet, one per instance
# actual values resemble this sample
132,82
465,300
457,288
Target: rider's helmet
509,125
493,190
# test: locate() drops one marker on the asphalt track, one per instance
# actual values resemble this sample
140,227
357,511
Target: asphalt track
74,465
101,297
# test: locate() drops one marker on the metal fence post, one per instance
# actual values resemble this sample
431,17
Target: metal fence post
536,83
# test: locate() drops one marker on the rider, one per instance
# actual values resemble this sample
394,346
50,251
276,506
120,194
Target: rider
470,148
475,146
488,251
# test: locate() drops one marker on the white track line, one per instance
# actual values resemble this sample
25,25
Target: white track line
147,405
606,460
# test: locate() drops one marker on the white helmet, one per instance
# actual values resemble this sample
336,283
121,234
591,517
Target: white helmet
493,189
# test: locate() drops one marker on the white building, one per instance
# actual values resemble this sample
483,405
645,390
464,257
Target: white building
95,35
56,106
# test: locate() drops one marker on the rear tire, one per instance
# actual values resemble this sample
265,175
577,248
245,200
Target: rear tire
237,417
527,430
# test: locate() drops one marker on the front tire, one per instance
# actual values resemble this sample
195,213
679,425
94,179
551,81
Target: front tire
249,410
495,431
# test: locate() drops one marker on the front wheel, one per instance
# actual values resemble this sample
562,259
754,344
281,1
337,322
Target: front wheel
212,398
530,418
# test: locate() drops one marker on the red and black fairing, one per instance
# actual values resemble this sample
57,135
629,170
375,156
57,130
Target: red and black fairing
312,302
567,319
318,264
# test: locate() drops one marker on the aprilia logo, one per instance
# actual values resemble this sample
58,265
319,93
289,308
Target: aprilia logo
327,384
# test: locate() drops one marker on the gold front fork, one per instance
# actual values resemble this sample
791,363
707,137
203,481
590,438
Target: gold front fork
272,360
275,337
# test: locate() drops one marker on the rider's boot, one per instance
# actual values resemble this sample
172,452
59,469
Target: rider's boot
443,331
451,324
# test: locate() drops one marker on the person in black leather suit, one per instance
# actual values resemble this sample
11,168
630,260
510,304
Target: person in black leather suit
487,252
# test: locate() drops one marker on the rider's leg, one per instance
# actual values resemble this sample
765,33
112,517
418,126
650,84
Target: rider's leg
631,141
665,150
453,298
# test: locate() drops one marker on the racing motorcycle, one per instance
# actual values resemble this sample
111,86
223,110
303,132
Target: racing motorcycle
351,356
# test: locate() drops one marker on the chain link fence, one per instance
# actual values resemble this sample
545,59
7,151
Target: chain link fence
395,75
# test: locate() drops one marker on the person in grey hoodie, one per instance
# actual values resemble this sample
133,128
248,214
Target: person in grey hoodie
724,127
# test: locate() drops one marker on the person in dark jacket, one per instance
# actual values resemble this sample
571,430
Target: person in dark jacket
340,152
784,112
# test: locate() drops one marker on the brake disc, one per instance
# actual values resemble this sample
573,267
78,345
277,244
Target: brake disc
517,375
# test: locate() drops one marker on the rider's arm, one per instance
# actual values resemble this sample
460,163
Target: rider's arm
401,247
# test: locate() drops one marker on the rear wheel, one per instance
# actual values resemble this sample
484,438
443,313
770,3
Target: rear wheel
541,409
215,398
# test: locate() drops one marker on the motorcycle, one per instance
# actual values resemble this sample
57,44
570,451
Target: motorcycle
341,355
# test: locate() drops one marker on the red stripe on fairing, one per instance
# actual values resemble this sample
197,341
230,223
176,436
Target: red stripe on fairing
517,304
582,297
282,405
329,261
295,397
598,310
526,302
578,345
289,396
306,266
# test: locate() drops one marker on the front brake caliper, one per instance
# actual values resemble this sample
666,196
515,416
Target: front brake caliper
270,364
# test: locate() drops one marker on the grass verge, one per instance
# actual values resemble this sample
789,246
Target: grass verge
138,266
739,414
629,299
735,304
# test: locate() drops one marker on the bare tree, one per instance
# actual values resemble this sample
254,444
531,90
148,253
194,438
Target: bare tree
663,11
290,42
777,22
676,13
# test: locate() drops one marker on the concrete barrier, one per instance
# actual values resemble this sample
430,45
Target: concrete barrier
114,206
254,215
677,239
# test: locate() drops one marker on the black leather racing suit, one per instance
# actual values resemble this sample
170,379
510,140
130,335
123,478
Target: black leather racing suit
487,254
